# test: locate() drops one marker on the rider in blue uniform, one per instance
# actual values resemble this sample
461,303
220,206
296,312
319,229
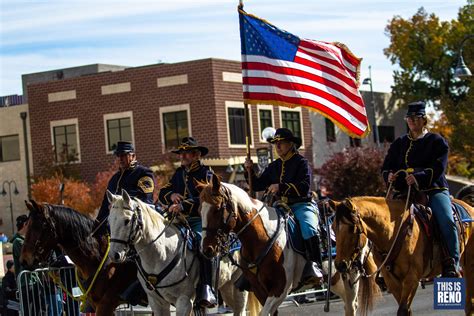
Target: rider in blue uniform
139,182
289,178
183,197
132,177
427,155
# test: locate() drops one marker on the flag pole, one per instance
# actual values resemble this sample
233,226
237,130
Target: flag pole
247,128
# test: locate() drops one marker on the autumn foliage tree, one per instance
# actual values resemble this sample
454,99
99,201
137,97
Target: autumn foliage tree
76,193
425,51
354,172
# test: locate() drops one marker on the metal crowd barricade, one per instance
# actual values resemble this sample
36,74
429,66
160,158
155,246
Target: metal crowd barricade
54,292
45,292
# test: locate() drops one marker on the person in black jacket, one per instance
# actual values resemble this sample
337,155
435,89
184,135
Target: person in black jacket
289,178
9,288
139,182
424,156
132,177
182,197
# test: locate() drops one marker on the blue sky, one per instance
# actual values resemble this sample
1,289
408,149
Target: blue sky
39,35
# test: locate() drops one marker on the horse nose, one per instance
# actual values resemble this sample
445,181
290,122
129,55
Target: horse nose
341,266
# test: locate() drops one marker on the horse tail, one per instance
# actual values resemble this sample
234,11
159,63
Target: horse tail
253,305
369,290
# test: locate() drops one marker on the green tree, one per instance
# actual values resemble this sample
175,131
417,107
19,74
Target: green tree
425,50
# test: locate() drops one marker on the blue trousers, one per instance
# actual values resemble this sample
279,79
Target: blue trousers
440,204
306,214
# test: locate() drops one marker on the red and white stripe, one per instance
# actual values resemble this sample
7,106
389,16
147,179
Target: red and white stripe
322,77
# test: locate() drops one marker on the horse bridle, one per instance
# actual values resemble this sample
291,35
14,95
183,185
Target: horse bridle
47,225
223,233
135,228
355,261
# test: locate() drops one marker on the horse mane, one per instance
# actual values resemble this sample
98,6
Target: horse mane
206,194
75,227
155,216
346,210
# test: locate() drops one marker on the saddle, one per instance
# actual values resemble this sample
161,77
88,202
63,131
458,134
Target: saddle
295,238
424,216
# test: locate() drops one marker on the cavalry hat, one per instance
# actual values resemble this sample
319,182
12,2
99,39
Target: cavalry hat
124,148
285,134
188,144
416,108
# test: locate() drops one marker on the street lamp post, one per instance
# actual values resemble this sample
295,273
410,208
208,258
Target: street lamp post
462,71
269,132
372,103
15,191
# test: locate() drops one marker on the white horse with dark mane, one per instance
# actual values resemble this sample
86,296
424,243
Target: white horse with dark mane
270,264
167,270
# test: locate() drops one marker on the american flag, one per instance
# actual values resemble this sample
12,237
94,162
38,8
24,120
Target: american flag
279,68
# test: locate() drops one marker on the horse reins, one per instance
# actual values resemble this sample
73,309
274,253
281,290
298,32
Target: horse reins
387,256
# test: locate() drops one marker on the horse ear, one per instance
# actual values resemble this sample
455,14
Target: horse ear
30,206
126,198
333,205
198,185
216,184
110,197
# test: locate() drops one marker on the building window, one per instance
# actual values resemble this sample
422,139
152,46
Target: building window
118,129
236,118
175,128
386,133
65,143
292,121
330,131
9,148
265,119
118,126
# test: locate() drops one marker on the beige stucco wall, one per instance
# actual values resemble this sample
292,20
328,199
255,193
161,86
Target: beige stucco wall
11,124
388,112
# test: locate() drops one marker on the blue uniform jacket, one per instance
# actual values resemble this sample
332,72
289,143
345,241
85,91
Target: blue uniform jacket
293,176
137,180
182,182
427,156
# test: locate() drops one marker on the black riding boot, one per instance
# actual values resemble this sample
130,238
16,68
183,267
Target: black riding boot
449,268
312,270
205,296
135,294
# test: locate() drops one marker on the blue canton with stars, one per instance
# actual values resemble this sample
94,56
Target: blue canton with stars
260,38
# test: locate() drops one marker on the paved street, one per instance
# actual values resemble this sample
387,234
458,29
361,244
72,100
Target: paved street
422,305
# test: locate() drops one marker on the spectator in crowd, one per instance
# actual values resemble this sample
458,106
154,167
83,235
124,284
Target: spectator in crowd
9,289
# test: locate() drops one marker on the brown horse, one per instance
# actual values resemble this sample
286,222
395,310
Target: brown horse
379,219
50,226
270,264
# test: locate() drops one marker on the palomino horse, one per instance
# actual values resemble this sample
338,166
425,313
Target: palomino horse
56,225
270,264
167,270
379,220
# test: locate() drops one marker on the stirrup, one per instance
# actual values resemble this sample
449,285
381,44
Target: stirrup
205,297
311,273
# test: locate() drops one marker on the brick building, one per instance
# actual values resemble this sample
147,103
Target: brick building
154,107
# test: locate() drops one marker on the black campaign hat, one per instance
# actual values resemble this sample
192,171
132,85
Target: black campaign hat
189,144
285,134
416,108
124,148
